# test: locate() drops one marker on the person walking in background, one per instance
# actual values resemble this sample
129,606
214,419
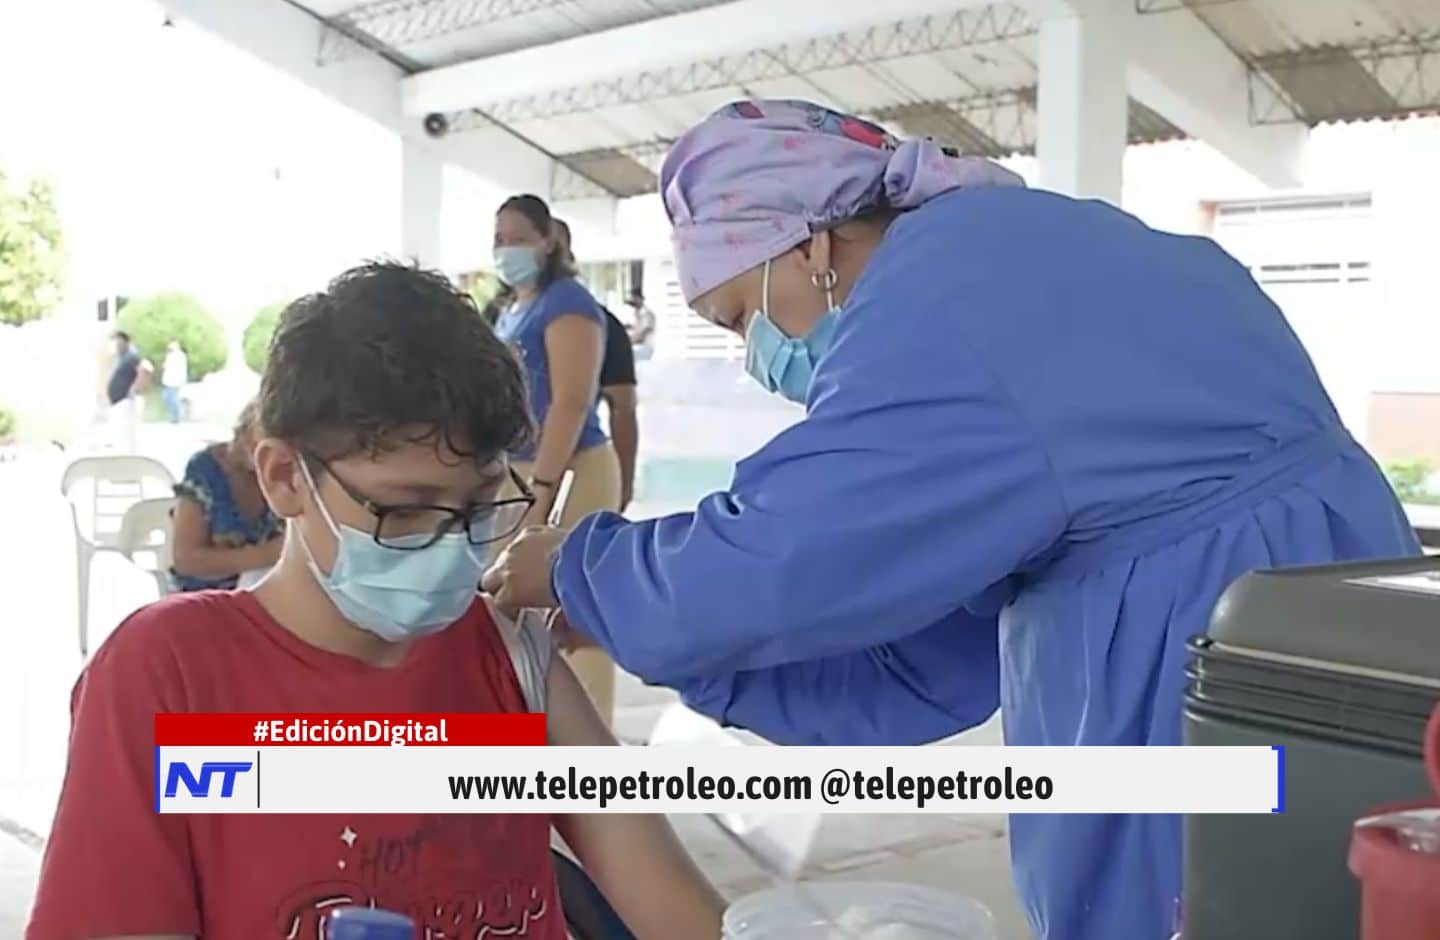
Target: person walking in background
617,389
174,376
558,330
642,330
127,381
222,528
617,385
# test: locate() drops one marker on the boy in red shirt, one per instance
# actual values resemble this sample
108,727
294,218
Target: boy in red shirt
387,408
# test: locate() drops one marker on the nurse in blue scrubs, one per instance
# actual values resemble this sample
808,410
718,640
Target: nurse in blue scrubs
1040,440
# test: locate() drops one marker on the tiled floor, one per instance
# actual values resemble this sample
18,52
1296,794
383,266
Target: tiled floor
960,853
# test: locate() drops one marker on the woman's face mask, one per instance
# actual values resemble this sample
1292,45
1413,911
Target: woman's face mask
784,364
517,265
520,250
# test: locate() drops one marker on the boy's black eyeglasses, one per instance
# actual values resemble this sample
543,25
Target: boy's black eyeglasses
412,526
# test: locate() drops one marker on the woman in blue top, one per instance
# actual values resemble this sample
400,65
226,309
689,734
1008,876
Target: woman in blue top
222,527
1040,440
558,330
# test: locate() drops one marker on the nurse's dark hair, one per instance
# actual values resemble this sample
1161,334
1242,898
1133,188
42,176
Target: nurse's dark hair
876,218
390,354
557,259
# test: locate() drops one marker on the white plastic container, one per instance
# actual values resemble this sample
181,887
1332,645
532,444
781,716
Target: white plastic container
872,910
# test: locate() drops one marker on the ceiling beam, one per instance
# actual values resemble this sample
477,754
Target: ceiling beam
1182,70
722,30
961,29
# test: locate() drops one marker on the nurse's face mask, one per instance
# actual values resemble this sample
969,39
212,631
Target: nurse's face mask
784,364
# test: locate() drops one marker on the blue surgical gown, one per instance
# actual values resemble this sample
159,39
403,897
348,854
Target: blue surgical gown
1045,440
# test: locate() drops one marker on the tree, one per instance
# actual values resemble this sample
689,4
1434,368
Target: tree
1411,482
32,256
258,335
154,321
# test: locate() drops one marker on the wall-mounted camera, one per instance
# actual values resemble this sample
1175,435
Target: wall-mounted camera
437,124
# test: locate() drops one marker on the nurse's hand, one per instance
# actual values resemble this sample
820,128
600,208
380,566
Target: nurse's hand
520,577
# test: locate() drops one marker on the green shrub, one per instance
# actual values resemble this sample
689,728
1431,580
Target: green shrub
258,335
154,321
1411,482
7,423
482,288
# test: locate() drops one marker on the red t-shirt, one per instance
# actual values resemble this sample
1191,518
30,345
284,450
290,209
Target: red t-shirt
114,867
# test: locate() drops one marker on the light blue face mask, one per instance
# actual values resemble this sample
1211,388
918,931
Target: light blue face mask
786,364
517,265
394,593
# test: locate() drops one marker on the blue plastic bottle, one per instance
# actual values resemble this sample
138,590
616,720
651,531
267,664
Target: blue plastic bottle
367,923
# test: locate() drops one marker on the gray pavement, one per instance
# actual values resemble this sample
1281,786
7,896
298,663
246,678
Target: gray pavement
967,854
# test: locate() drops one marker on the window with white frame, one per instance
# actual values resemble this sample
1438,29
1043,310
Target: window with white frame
680,334
1313,256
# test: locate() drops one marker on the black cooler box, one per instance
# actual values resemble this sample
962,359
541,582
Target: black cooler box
1341,665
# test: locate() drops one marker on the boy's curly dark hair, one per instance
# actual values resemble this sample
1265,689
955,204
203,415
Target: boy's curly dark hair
386,350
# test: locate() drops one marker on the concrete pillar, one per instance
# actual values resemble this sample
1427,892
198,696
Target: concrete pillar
1083,104
421,191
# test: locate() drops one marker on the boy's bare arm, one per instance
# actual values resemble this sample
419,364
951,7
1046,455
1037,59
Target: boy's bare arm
635,860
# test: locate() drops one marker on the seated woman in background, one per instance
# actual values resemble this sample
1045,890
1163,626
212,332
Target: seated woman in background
222,527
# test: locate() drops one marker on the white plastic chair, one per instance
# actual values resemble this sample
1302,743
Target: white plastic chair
115,484
145,530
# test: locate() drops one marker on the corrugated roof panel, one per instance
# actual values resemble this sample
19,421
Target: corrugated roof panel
625,125
615,171
676,115
641,122
573,133
1328,84
1010,120
992,124
994,65
1267,26
1414,16
943,125
489,39
853,87
863,88
1148,126
610,127
931,77
788,87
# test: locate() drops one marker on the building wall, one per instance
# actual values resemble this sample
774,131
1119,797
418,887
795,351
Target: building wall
1405,427
1375,334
